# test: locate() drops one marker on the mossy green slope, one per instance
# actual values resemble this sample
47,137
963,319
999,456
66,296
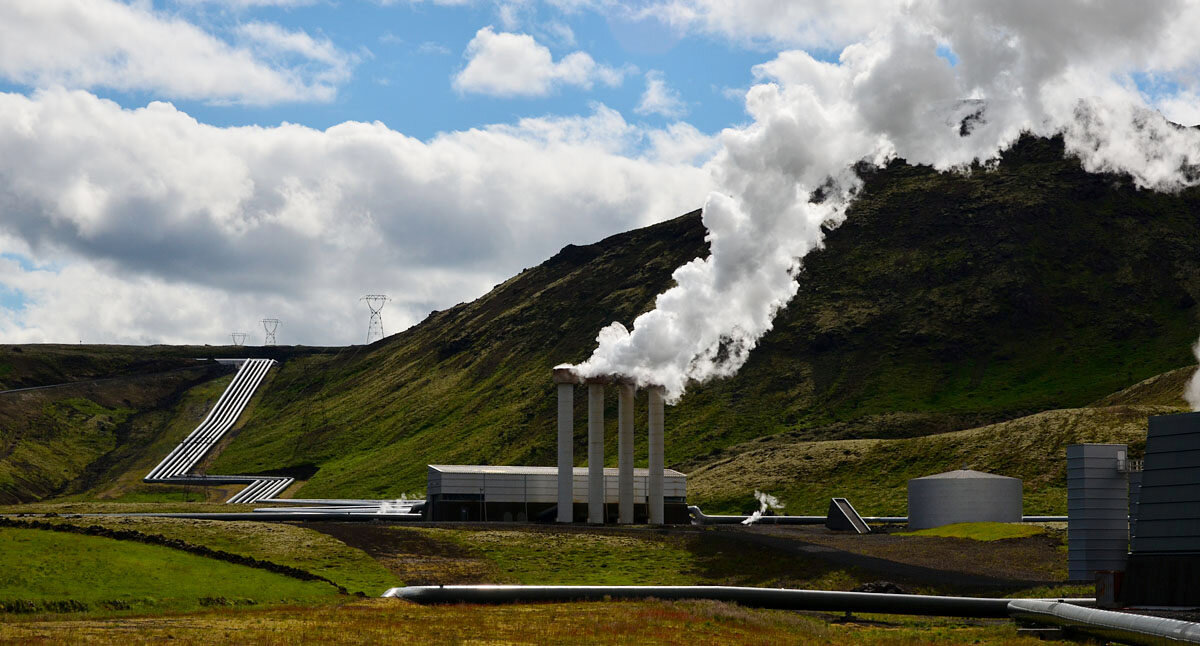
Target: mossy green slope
945,302
44,566
55,441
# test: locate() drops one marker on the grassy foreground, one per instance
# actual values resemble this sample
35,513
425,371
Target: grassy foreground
278,543
980,531
643,622
50,571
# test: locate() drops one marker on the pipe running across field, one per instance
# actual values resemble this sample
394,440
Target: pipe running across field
1119,626
777,598
1071,614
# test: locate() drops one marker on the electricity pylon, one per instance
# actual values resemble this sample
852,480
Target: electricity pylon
238,338
270,325
375,327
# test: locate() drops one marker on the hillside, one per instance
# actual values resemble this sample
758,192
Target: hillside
946,302
96,418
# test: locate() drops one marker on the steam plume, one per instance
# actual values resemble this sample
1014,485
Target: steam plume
1192,392
946,83
765,501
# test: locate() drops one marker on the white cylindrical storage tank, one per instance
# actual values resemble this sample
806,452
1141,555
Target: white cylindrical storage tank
963,496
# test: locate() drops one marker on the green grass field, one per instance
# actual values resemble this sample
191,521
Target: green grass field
634,558
50,569
279,543
980,531
643,622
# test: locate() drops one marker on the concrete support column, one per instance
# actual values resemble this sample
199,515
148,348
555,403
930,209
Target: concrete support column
596,453
566,453
656,419
625,454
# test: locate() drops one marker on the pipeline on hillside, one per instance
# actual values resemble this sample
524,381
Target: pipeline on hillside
1069,614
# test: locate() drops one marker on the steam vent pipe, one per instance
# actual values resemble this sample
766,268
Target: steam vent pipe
595,451
656,415
566,444
625,454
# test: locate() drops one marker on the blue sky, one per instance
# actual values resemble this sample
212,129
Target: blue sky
406,56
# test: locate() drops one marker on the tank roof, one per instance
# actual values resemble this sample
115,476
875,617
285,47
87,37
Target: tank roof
965,473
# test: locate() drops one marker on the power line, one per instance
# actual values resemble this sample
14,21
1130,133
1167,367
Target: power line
375,327
270,325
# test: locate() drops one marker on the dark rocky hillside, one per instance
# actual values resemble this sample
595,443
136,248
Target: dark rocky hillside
947,301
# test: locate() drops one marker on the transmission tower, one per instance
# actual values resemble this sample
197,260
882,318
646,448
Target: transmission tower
376,303
270,325
238,338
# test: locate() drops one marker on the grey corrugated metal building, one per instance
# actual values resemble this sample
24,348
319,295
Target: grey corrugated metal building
1097,509
518,493
1164,563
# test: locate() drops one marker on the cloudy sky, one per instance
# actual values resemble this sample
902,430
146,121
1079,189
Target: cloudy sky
175,170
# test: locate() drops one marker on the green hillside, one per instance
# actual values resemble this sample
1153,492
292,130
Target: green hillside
95,419
946,302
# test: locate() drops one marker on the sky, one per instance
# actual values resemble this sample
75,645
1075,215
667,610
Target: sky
177,170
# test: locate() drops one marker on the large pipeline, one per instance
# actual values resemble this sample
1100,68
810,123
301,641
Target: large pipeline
1070,614
784,599
1118,626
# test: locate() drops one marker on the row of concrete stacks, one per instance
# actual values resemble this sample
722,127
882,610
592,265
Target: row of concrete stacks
626,390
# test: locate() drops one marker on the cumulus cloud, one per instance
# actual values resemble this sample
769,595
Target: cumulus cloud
1024,66
821,24
507,64
110,44
659,98
150,226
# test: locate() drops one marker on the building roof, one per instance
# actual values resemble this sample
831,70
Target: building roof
531,471
965,473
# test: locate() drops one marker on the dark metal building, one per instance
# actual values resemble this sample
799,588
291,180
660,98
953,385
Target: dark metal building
1164,562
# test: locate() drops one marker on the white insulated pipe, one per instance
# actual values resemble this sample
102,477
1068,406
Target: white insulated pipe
625,454
596,453
566,453
656,421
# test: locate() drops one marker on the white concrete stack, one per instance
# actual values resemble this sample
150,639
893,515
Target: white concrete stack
567,380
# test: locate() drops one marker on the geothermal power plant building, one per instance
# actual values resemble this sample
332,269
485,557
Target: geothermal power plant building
515,494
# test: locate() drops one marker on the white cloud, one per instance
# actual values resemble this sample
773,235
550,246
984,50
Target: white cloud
506,64
682,143
659,98
109,44
560,32
331,66
825,24
1182,108
431,48
161,228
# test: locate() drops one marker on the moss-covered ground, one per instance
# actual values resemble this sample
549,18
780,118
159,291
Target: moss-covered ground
643,622
281,543
980,531
48,571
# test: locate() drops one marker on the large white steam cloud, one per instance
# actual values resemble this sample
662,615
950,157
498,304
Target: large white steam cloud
946,83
